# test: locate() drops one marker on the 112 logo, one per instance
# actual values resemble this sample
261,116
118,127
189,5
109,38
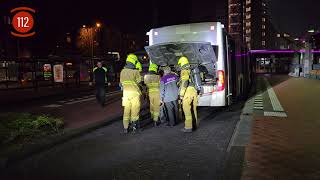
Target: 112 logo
23,22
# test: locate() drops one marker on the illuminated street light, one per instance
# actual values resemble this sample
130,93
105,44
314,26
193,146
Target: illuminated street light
84,26
98,25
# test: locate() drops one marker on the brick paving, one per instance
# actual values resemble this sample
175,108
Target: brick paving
287,148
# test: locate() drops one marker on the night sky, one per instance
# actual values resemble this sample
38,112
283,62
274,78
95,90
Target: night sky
295,16
56,17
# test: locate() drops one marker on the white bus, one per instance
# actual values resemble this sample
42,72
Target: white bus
207,46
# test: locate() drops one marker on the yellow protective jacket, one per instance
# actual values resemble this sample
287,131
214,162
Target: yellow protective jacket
184,81
129,80
153,83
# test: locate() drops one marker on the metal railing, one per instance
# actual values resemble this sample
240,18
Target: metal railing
29,72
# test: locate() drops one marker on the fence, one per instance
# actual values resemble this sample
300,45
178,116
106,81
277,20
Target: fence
34,73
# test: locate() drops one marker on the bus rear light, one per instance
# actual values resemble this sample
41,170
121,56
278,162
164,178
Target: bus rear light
220,81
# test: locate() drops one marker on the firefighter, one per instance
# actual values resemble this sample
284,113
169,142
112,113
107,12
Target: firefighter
129,81
188,95
152,80
100,80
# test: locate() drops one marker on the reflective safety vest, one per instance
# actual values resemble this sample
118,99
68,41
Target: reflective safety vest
100,75
153,82
129,80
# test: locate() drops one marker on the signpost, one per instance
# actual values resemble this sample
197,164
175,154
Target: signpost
47,73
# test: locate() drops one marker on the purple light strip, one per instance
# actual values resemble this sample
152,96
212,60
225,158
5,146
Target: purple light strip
241,55
282,51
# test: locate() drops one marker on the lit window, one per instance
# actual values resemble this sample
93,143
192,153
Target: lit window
263,26
263,19
248,31
278,35
248,24
248,39
263,34
248,9
263,43
248,16
248,1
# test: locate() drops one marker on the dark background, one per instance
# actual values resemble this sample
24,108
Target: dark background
58,17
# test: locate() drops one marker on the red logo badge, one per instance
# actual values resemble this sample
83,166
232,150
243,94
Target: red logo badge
23,22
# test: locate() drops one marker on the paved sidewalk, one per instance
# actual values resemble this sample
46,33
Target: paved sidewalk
284,148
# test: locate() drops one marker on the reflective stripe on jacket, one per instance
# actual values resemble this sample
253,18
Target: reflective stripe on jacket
153,82
130,79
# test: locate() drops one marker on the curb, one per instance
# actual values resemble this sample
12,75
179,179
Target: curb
52,141
235,158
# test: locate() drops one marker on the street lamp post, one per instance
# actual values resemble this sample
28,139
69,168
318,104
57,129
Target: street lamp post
93,28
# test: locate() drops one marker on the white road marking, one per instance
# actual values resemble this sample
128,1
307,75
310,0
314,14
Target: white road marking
258,102
273,98
79,100
52,106
83,100
275,114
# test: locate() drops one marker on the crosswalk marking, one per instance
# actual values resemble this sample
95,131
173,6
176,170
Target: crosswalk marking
278,110
258,102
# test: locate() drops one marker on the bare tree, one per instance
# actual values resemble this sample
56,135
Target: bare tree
85,40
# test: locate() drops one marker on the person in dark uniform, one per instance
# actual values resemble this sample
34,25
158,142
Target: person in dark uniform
100,73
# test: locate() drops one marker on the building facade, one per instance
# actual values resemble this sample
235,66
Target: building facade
236,19
249,22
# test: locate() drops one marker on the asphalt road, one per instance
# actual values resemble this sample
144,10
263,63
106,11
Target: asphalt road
77,108
31,99
154,153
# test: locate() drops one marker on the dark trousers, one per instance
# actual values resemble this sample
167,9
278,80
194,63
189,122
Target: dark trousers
171,112
101,94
